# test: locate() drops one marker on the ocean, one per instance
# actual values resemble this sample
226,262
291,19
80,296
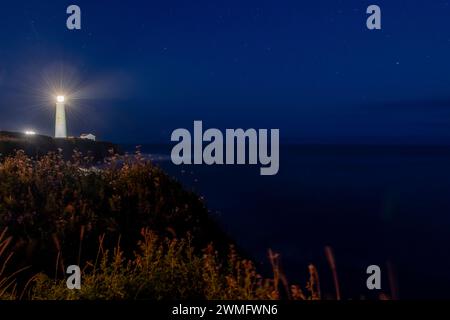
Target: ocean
382,205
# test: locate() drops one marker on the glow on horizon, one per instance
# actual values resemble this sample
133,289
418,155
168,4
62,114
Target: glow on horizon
30,132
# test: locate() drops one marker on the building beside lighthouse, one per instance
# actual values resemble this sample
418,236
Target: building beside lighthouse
87,136
60,118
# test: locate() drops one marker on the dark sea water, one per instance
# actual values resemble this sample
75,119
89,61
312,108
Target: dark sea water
383,205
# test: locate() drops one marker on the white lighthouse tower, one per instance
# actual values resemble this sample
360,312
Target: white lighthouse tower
60,118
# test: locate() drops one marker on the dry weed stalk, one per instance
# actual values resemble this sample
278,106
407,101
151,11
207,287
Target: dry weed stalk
331,261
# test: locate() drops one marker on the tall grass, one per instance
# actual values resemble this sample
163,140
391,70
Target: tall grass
58,212
55,213
56,208
8,284
167,269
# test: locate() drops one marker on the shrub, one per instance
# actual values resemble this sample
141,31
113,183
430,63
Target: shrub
56,213
59,208
164,269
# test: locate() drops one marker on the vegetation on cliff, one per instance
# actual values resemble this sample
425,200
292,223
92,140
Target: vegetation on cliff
134,231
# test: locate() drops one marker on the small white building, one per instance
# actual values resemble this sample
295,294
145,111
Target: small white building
87,136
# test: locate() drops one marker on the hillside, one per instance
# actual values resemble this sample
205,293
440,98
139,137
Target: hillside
39,145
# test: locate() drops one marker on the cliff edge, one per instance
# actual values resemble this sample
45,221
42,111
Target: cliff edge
39,145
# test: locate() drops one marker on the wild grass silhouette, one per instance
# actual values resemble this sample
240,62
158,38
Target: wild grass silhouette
134,231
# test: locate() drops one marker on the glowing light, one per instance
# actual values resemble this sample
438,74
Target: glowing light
60,98
30,133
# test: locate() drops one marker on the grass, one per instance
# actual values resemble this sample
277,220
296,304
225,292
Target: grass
135,232
166,269
8,284
162,269
155,240
54,207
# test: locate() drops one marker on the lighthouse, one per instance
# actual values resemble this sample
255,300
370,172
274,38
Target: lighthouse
60,118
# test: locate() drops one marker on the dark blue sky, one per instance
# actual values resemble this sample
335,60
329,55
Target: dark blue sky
141,69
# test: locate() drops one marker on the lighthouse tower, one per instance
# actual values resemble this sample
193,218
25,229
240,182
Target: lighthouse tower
60,118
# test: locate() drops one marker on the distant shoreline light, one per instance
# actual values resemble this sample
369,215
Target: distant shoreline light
30,132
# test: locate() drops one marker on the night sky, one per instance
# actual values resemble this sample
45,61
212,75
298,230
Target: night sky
137,70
